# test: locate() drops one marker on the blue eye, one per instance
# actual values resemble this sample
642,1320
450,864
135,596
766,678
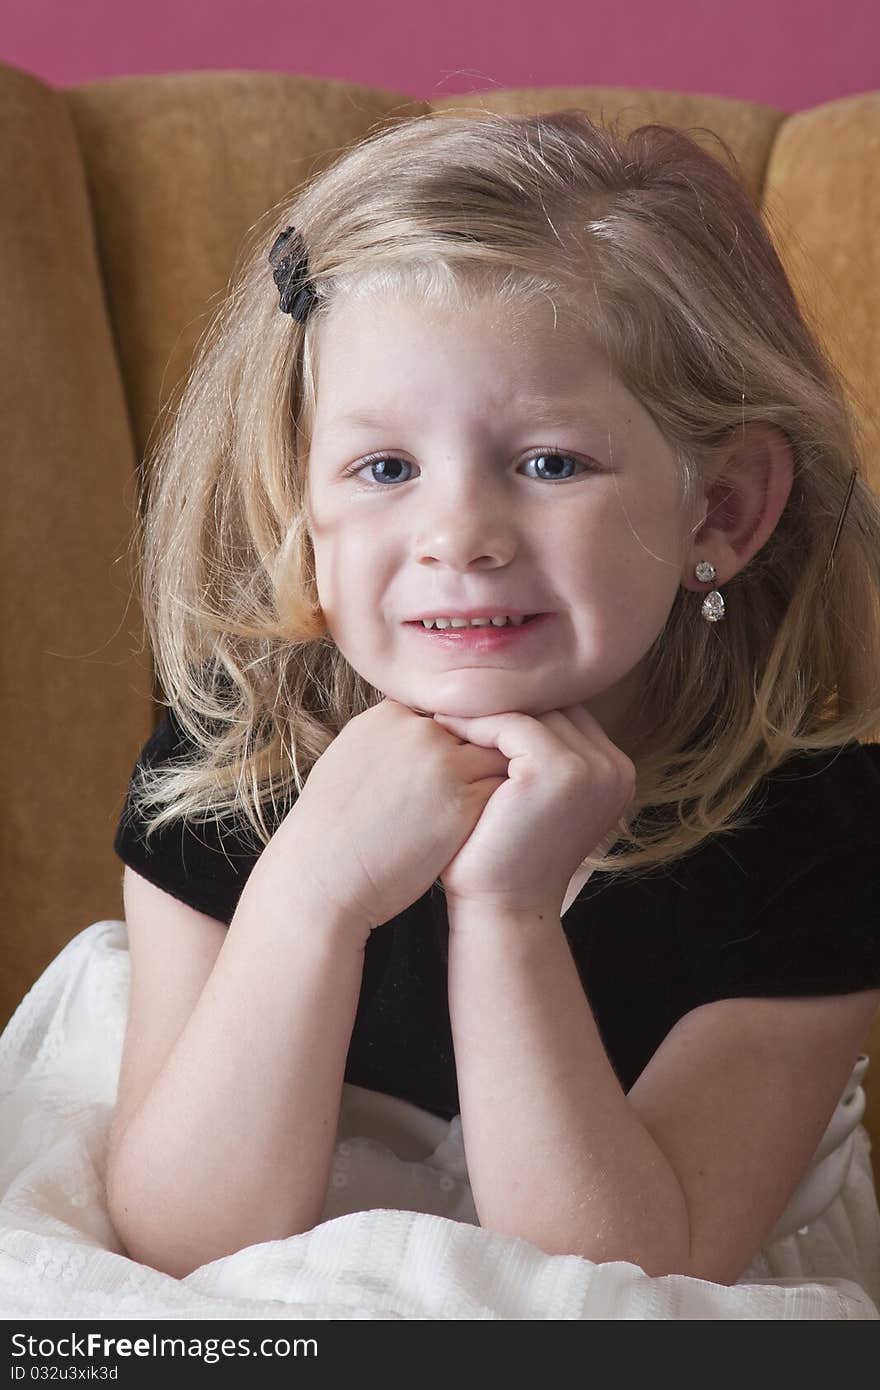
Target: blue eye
375,460
553,454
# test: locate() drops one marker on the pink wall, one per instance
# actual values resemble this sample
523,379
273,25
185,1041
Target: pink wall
786,53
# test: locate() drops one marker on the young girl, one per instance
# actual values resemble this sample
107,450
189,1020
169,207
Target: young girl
514,597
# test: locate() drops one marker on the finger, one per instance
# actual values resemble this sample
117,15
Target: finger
483,762
448,722
555,721
601,744
582,719
580,740
582,735
517,735
478,761
589,725
572,729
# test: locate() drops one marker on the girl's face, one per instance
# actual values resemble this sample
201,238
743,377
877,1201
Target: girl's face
516,473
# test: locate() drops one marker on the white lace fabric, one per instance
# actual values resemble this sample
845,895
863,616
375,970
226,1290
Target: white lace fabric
398,1236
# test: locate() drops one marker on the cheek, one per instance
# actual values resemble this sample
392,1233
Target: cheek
323,569
626,568
326,530
348,571
641,540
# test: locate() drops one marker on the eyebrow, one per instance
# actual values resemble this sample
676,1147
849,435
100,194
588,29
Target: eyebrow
367,418
540,410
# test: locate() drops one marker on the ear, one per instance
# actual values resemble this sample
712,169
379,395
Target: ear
743,501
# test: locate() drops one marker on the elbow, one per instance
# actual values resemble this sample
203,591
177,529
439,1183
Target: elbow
141,1241
156,1225
147,1230
145,1253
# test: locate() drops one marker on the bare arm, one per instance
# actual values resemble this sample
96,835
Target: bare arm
555,1152
232,1143
684,1174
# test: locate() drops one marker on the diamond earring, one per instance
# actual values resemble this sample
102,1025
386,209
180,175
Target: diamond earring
713,604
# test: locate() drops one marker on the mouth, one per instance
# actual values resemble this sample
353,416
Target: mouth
519,620
488,638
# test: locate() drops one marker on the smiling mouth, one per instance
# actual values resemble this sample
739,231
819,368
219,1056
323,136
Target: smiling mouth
476,627
486,637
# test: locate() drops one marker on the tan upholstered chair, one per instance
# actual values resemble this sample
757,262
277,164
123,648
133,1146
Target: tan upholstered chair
125,205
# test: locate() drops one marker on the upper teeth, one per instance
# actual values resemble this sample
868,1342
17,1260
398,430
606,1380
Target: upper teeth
472,622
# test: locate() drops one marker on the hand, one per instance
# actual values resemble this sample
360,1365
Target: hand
567,786
385,808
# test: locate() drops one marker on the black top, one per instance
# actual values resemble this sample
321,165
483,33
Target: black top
787,905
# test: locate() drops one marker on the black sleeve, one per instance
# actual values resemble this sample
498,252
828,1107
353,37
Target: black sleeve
792,905
207,865
204,865
821,937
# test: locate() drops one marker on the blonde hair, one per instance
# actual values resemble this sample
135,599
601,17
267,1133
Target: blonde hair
650,241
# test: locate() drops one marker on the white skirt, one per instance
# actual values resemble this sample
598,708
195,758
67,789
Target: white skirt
398,1236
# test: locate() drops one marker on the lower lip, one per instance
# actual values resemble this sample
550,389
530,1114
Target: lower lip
483,639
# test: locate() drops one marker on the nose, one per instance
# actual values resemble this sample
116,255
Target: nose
466,528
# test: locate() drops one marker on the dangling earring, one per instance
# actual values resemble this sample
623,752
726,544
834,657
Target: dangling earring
713,604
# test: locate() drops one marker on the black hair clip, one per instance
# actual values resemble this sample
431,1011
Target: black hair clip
290,271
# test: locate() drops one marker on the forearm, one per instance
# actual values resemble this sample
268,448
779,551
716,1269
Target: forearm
233,1143
555,1153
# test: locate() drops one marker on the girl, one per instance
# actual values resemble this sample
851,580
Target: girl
515,601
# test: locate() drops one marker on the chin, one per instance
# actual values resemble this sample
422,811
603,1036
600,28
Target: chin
485,709
472,706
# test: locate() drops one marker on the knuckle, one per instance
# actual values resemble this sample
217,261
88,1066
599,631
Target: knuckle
628,773
627,782
570,767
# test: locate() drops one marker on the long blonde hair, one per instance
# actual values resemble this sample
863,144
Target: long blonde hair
650,241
